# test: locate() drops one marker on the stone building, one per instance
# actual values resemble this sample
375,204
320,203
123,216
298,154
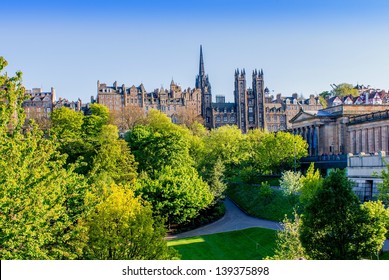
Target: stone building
39,104
173,102
252,108
342,129
365,171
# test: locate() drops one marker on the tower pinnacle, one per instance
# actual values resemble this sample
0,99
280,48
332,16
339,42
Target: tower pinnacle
201,66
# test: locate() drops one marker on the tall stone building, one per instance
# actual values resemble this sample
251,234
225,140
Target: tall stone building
252,107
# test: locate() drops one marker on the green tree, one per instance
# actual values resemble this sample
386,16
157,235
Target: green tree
290,182
271,153
288,244
333,222
383,188
226,144
113,159
41,203
122,227
345,89
155,148
176,194
377,226
310,184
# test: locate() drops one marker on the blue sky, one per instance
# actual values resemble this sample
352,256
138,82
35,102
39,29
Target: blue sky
302,46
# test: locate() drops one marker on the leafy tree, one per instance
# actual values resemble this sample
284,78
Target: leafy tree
377,226
288,244
345,89
41,203
290,182
272,152
215,180
333,222
113,159
226,144
156,148
122,227
383,188
310,184
176,194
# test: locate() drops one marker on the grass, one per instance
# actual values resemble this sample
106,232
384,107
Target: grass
247,244
385,256
272,205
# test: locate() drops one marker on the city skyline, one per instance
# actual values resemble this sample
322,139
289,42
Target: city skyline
302,46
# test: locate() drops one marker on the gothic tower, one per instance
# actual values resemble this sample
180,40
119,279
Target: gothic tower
258,91
240,95
202,83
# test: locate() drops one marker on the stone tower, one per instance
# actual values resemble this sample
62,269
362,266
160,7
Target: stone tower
202,83
259,95
240,94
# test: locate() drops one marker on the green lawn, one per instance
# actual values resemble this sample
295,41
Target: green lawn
271,206
247,244
385,256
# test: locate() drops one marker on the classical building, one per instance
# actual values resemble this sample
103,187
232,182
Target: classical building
334,132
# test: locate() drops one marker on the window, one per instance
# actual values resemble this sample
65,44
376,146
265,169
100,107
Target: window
251,119
232,118
218,119
275,118
225,119
250,109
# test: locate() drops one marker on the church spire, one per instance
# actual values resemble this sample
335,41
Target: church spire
201,67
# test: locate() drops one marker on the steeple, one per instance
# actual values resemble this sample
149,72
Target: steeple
201,66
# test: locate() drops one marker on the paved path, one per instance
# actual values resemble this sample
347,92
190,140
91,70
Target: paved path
235,219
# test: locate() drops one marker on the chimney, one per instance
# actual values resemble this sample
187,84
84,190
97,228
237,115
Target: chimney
53,97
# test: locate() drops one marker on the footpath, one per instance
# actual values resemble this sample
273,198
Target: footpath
236,219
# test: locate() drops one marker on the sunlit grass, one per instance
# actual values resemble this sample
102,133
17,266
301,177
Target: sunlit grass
248,244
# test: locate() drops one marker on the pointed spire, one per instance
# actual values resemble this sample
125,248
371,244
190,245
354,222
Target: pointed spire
201,68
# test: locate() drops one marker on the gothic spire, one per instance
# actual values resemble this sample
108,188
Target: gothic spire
201,68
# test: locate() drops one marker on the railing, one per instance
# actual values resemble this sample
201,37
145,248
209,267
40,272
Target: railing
325,157
381,115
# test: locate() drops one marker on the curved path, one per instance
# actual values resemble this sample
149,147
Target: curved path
235,219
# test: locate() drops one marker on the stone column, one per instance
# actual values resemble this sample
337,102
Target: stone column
363,142
384,138
315,140
377,139
352,141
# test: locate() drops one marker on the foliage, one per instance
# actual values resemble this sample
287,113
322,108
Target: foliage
122,227
247,244
261,202
345,89
310,184
114,158
41,203
225,144
288,244
377,225
271,152
155,148
176,194
290,182
11,98
333,222
215,180
383,188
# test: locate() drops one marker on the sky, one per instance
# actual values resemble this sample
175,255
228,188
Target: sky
302,46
